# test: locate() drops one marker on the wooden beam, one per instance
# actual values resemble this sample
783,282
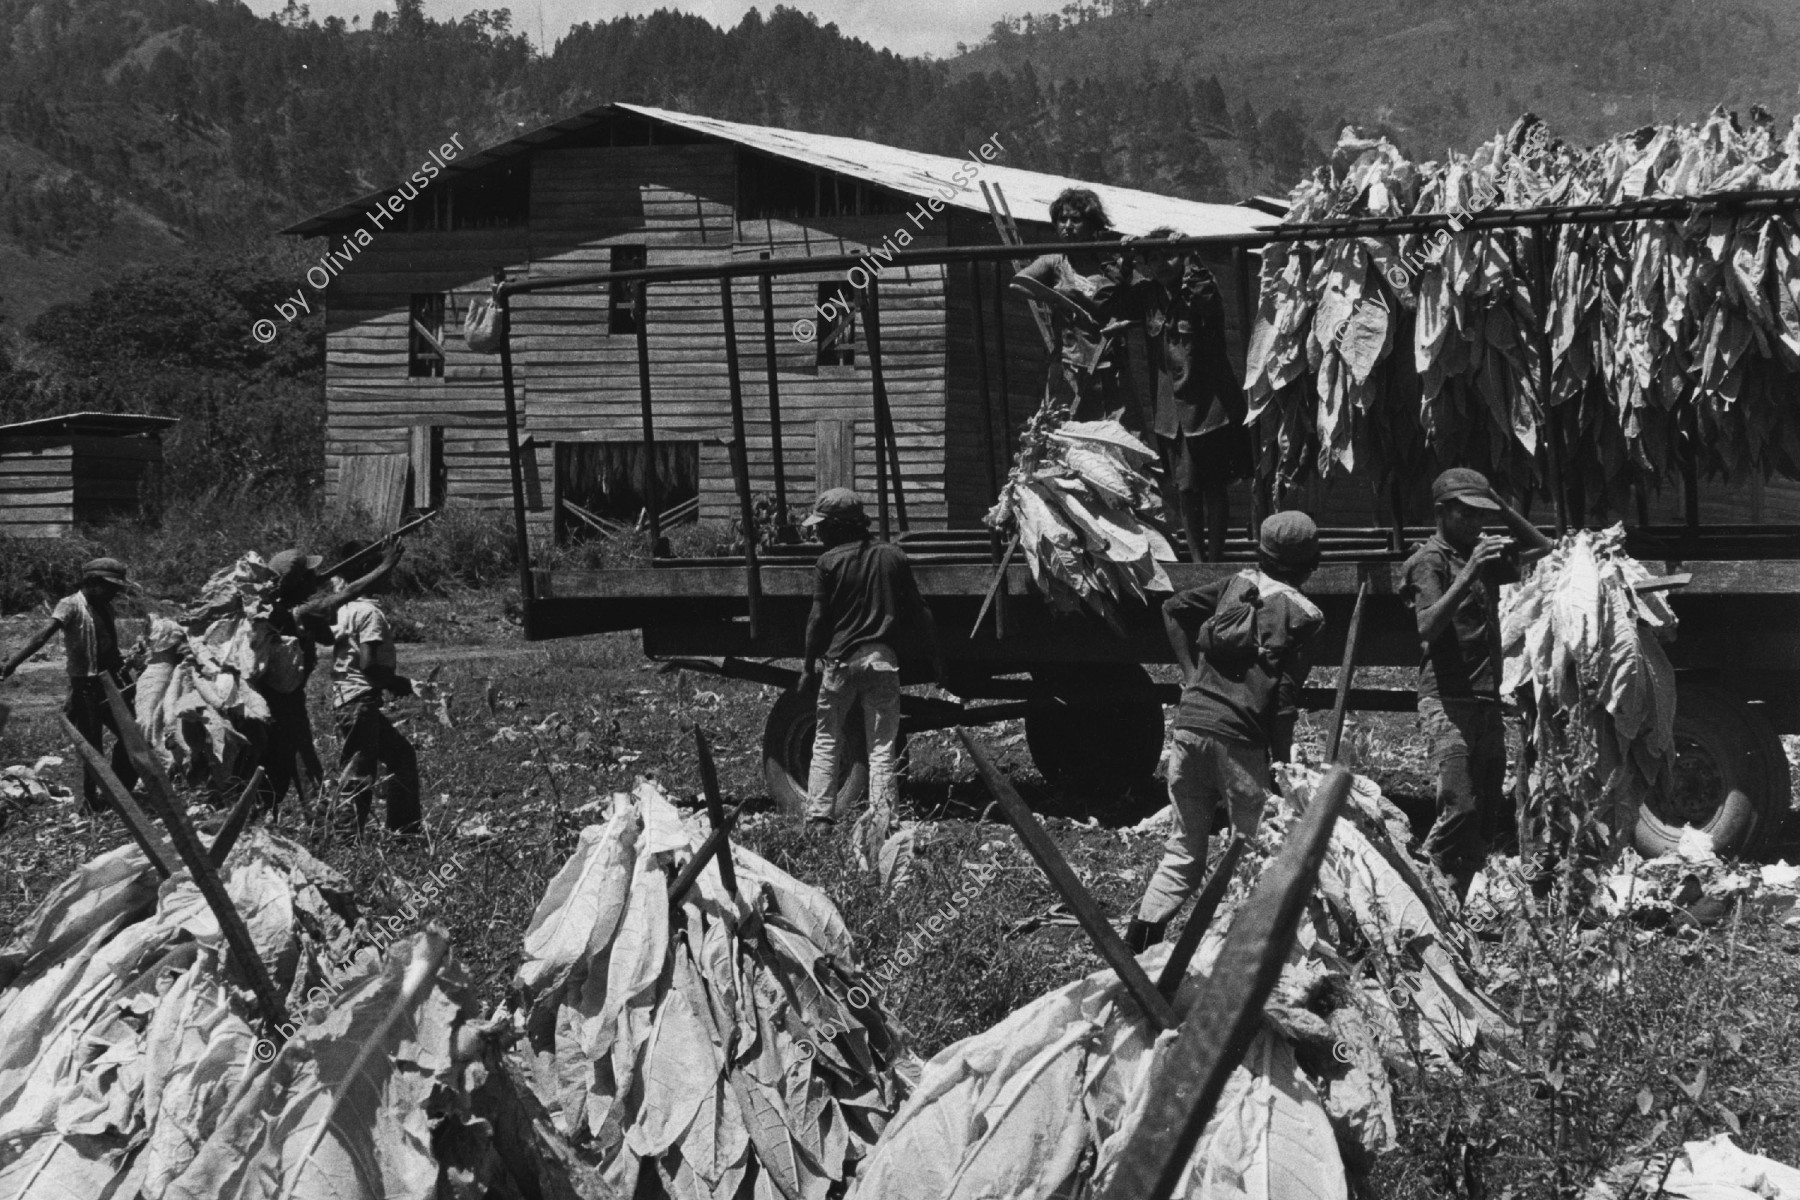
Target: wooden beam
1176,965
137,824
236,820
1042,847
715,807
1346,673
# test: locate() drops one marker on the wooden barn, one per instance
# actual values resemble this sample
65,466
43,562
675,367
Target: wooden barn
79,467
623,186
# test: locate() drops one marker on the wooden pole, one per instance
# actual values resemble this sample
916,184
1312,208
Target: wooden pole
715,841
521,537
1345,674
641,310
715,807
137,824
1176,965
1552,426
188,847
784,532
1006,429
996,589
1227,1010
235,821
1260,488
885,439
1043,848
981,385
740,462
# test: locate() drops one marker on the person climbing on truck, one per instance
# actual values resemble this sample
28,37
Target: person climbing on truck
1242,643
1199,405
91,651
867,614
1452,583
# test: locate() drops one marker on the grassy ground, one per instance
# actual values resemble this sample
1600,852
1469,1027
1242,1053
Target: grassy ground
542,732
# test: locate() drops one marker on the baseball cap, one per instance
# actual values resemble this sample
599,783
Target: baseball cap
109,569
1465,486
291,562
1290,538
837,504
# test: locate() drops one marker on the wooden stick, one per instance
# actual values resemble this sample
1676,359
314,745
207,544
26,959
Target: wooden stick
338,568
1175,968
235,822
994,587
1043,848
141,828
1345,674
715,807
1227,1009
187,845
714,841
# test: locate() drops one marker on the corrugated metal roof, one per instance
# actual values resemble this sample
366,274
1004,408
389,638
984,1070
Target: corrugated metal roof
1028,193
98,423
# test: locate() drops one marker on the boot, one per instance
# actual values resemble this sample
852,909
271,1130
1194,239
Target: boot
1141,935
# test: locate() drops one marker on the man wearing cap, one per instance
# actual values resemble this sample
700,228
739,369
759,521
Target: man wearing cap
1453,582
91,650
866,613
302,624
1243,646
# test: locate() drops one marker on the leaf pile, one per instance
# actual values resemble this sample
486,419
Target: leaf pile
720,1040
1664,338
20,787
1714,1169
1084,504
1587,647
1041,1104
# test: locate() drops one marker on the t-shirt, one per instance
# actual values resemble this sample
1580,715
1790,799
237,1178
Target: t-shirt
359,623
90,643
1464,661
1244,705
1197,389
865,593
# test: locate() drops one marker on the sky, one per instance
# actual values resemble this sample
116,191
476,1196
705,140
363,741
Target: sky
912,27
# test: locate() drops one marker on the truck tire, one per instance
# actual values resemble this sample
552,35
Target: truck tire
1731,776
1098,748
787,755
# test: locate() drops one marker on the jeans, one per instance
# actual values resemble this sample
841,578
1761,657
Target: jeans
1202,770
372,745
92,716
869,676
1467,744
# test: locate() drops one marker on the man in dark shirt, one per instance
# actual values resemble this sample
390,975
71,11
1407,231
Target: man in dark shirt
866,612
1242,673
1453,582
1199,405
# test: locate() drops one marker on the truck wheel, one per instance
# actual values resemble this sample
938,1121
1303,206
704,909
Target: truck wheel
1731,776
1099,754
787,755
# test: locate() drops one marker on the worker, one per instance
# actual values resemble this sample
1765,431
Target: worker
301,622
1452,583
1243,645
362,672
866,614
1199,413
90,652
1082,290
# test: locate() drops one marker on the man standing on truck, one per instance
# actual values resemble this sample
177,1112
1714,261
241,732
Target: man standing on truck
1242,643
1199,413
1453,583
866,613
91,651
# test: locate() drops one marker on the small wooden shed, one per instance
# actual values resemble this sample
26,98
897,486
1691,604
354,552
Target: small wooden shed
57,471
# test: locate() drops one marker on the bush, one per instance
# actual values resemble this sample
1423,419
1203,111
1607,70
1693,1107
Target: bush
36,570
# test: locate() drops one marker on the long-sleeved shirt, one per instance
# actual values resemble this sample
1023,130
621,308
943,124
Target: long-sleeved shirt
1246,705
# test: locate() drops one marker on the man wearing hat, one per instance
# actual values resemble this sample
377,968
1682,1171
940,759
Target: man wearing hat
1453,582
1243,644
90,650
866,612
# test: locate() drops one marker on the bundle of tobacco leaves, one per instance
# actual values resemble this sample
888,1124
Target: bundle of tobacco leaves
1587,647
720,1040
1084,504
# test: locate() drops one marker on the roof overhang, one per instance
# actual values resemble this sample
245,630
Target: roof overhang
94,423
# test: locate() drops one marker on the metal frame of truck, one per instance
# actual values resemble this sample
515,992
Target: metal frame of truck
1093,715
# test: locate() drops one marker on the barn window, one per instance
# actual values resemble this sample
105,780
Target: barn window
836,337
622,314
425,336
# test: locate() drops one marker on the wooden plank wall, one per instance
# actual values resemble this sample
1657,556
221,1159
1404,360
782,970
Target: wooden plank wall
37,490
579,382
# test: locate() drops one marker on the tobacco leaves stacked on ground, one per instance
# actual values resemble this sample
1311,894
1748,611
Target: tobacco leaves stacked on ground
1586,647
721,1038
1383,979
1084,505
1663,338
